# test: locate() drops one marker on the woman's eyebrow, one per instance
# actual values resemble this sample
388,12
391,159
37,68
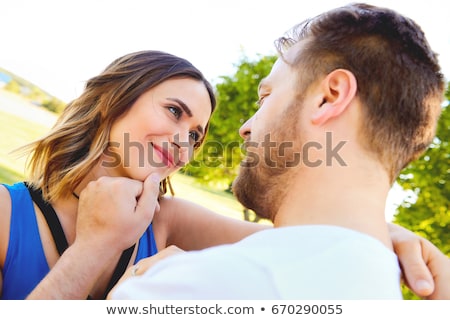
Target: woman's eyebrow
183,105
187,110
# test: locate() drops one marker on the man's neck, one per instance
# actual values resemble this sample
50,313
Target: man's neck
345,197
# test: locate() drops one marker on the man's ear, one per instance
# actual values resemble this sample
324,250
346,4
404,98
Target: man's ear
338,89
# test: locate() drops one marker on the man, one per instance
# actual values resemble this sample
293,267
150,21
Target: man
353,98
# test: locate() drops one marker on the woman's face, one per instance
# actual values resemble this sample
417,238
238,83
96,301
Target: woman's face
158,132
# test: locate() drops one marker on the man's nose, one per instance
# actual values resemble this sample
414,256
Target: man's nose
246,128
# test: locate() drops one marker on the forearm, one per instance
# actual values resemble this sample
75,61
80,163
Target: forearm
74,275
193,227
110,219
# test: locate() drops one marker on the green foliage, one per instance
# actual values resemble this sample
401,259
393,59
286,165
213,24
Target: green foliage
218,160
429,178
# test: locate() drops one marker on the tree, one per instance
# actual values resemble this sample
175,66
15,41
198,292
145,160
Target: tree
429,178
217,162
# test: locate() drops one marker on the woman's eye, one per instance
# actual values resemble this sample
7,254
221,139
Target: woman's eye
194,137
175,111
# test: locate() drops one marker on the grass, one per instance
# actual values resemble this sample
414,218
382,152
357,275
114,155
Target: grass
16,132
219,201
22,123
9,176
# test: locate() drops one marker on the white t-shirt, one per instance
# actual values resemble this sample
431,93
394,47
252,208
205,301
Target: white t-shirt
298,262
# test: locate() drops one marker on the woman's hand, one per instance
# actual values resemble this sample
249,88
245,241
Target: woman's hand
426,270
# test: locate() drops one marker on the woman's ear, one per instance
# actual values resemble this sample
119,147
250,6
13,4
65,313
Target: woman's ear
338,89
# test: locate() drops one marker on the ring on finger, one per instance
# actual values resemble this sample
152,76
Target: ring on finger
134,270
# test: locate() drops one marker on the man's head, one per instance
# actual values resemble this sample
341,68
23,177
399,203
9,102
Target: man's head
387,65
399,80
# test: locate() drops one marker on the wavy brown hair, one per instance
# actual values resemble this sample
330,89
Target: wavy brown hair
399,79
61,160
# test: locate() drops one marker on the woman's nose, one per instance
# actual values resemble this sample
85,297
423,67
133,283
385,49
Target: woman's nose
182,148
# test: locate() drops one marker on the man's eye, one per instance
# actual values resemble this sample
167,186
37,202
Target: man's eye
177,112
260,101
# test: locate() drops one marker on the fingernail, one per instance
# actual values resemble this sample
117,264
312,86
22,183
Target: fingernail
155,177
423,286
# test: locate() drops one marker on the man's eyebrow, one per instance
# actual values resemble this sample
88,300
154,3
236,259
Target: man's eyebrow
187,110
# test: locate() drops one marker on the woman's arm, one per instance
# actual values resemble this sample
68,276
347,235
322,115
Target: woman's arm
109,220
192,227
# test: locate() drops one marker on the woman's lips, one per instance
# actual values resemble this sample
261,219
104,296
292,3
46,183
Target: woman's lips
164,155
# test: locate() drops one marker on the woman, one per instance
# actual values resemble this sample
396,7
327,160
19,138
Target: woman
144,113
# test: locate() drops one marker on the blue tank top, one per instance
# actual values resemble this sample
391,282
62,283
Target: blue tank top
25,263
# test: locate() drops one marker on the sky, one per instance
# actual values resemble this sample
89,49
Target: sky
58,45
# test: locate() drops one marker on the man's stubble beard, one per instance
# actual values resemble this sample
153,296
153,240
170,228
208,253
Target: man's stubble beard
262,187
